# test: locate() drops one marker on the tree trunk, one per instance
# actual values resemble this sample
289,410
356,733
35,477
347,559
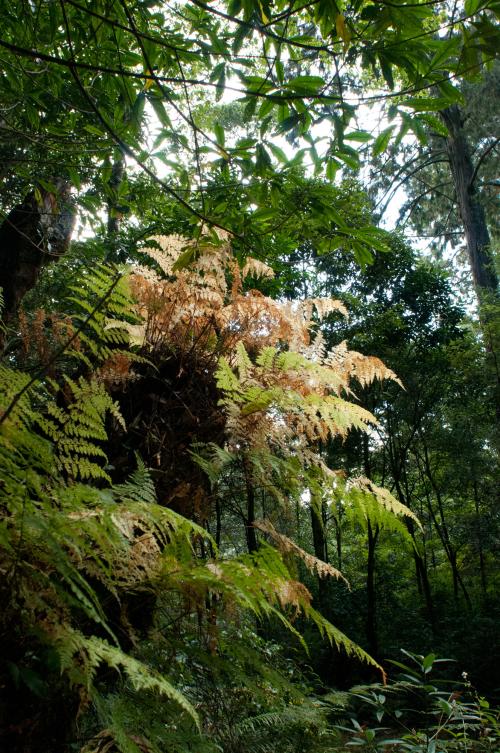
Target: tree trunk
471,210
34,233
115,181
426,587
371,616
250,532
479,536
338,541
319,543
218,523
477,238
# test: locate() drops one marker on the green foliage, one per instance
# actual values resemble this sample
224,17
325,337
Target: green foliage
365,503
87,86
74,544
62,543
77,429
81,657
123,105
421,714
101,299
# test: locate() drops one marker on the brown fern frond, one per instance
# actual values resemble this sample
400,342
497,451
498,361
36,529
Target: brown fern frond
115,370
287,546
255,268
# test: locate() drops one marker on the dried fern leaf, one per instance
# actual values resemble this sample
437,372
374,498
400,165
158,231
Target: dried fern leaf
287,546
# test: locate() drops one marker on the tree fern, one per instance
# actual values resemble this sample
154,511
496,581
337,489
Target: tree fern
77,550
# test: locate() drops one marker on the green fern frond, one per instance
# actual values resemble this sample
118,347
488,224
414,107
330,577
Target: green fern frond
139,487
77,429
81,657
339,639
227,381
213,460
243,362
364,502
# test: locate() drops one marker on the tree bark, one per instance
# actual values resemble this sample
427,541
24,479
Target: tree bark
422,577
442,529
471,210
250,532
371,616
115,181
34,233
320,546
477,238
479,535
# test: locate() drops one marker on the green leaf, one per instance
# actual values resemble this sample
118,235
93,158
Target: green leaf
264,214
263,160
220,135
434,123
306,85
382,141
361,136
277,152
386,69
280,71
428,662
332,167
160,111
471,6
426,104
351,160
266,107
93,129
186,258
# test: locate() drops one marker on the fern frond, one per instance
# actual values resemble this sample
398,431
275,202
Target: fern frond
81,657
287,546
364,501
139,487
255,268
339,639
227,381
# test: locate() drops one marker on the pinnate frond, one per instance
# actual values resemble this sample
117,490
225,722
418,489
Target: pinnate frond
287,546
255,268
369,498
81,657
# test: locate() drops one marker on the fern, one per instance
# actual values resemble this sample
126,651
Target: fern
104,308
364,502
77,429
76,549
139,488
58,539
286,546
81,657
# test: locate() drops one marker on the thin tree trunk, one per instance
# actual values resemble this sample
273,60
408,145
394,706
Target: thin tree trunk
471,210
250,532
371,595
398,466
442,531
319,544
482,568
218,521
338,541
371,613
